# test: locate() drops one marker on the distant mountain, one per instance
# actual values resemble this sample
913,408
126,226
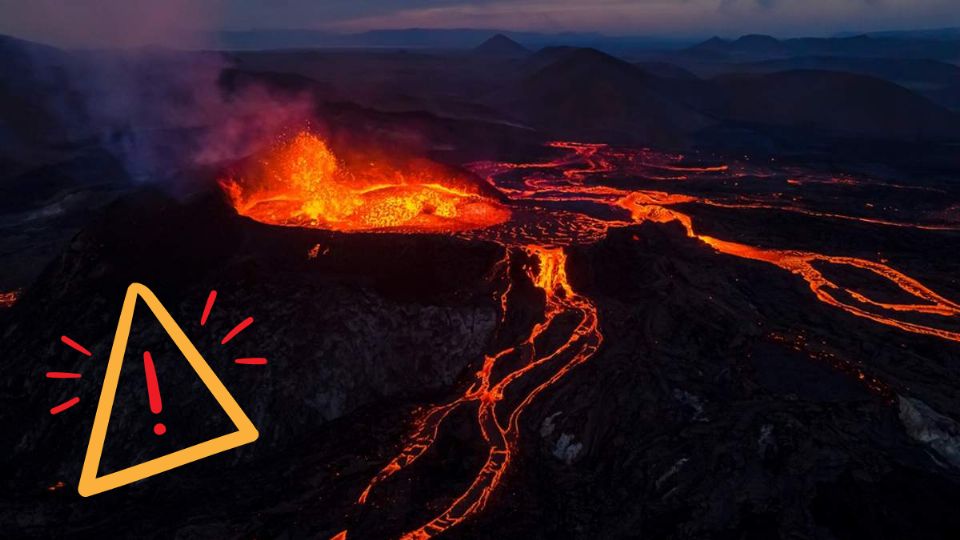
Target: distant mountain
753,44
765,47
838,103
23,51
759,43
501,45
429,38
437,38
939,81
587,94
933,33
33,95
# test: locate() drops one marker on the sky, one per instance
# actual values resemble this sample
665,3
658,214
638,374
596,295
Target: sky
133,22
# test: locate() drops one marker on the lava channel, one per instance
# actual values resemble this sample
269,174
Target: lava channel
501,428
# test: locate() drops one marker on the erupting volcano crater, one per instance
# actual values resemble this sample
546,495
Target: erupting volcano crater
303,183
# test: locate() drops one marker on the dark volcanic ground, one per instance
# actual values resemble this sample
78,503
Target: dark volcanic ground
726,401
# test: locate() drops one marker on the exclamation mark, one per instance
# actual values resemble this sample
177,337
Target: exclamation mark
153,391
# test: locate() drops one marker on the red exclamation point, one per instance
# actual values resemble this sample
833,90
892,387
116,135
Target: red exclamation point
153,391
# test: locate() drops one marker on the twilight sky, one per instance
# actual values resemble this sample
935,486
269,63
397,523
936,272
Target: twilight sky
99,22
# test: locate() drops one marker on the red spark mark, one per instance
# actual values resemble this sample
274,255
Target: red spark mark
65,405
207,307
75,346
251,361
153,391
236,330
62,375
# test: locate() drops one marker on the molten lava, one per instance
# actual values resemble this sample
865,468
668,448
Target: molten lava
8,299
501,428
303,183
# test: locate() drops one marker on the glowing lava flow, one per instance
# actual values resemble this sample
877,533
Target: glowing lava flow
831,215
550,206
655,206
801,264
501,431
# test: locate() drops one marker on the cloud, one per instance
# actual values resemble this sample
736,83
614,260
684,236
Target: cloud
99,23
171,21
662,17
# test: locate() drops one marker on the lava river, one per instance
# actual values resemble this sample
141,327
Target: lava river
534,210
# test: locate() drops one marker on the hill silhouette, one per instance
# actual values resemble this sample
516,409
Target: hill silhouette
501,45
936,80
591,94
836,102
760,47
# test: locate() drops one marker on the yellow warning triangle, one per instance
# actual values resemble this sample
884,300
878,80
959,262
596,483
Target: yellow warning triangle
90,483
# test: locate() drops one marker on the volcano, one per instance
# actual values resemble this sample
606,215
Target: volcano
501,45
583,298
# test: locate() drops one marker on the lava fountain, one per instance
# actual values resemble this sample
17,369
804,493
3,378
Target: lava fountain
302,183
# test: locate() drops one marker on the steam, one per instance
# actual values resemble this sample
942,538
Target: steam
162,112
245,123
127,85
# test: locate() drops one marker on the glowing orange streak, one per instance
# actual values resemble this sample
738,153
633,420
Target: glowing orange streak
874,221
8,299
551,278
799,263
502,441
246,208
716,168
423,436
943,306
852,182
